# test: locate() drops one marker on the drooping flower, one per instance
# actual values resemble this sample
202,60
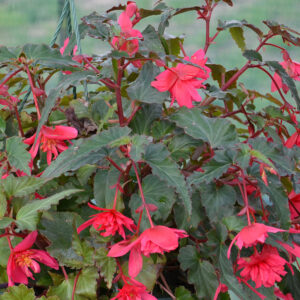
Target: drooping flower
109,221
183,81
134,291
251,235
51,140
128,40
294,204
22,259
294,139
263,268
293,70
157,239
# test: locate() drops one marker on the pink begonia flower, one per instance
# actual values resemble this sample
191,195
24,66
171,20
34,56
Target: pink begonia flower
51,140
294,139
158,239
133,290
293,70
294,204
279,294
251,235
128,40
182,81
110,221
263,268
22,258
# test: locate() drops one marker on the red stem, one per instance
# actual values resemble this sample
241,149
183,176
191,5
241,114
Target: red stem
75,283
10,76
118,93
142,193
9,243
114,164
33,93
65,273
19,121
182,49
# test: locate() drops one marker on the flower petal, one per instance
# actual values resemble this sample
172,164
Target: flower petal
27,242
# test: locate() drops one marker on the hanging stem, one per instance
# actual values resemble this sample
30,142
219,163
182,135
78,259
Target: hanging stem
10,76
33,93
75,283
246,203
142,193
114,164
65,273
9,243
118,93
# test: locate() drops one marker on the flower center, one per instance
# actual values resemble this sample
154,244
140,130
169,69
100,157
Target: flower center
47,144
24,259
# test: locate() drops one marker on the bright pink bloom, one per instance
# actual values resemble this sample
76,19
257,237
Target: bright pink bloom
294,204
128,40
51,140
293,70
22,258
158,239
294,139
134,292
263,268
182,81
110,221
251,235
279,294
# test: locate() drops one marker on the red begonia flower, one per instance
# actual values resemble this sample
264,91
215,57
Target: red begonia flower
182,81
136,291
251,235
22,258
294,139
110,221
293,70
263,268
51,140
294,204
158,239
128,39
279,294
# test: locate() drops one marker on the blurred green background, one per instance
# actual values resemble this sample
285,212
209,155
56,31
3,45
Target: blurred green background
34,21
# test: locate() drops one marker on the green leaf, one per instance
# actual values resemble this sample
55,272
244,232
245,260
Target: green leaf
167,170
17,155
227,275
143,119
103,180
3,205
138,146
2,125
237,34
85,151
84,173
181,293
107,265
217,132
8,54
234,223
252,55
217,200
5,222
200,273
151,40
21,186
27,215
20,292
141,88
286,79
155,192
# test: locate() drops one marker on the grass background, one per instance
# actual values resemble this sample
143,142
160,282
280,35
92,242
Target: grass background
34,21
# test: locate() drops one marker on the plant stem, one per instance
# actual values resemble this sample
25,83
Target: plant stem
142,193
19,121
33,93
10,76
65,273
118,93
114,164
75,283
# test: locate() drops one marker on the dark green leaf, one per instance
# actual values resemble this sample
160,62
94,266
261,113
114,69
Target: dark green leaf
20,292
17,155
218,201
217,132
181,293
8,54
5,222
107,265
151,40
167,170
85,151
141,88
237,34
200,273
252,55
